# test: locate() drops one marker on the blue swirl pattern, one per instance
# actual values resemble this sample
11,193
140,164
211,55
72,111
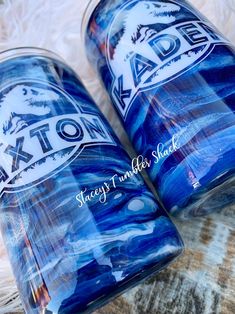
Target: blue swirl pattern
197,107
71,259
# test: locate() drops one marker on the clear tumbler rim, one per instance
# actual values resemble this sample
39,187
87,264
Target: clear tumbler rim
90,8
26,51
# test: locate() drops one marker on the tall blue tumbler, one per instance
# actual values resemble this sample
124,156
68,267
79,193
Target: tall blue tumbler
79,224
171,76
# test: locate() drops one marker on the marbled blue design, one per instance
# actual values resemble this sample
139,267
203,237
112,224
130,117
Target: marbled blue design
196,107
70,259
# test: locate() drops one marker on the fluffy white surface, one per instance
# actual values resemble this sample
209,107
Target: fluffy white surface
55,25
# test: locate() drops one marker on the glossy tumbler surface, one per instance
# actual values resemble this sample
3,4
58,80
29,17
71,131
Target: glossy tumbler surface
77,228
171,77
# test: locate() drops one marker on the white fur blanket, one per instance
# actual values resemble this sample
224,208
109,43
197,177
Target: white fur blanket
55,25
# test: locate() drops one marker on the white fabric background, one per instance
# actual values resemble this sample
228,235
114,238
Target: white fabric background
55,25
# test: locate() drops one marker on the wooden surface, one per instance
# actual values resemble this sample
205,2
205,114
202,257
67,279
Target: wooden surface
201,281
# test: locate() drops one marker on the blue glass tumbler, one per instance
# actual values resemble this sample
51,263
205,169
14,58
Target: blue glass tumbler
171,76
79,229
